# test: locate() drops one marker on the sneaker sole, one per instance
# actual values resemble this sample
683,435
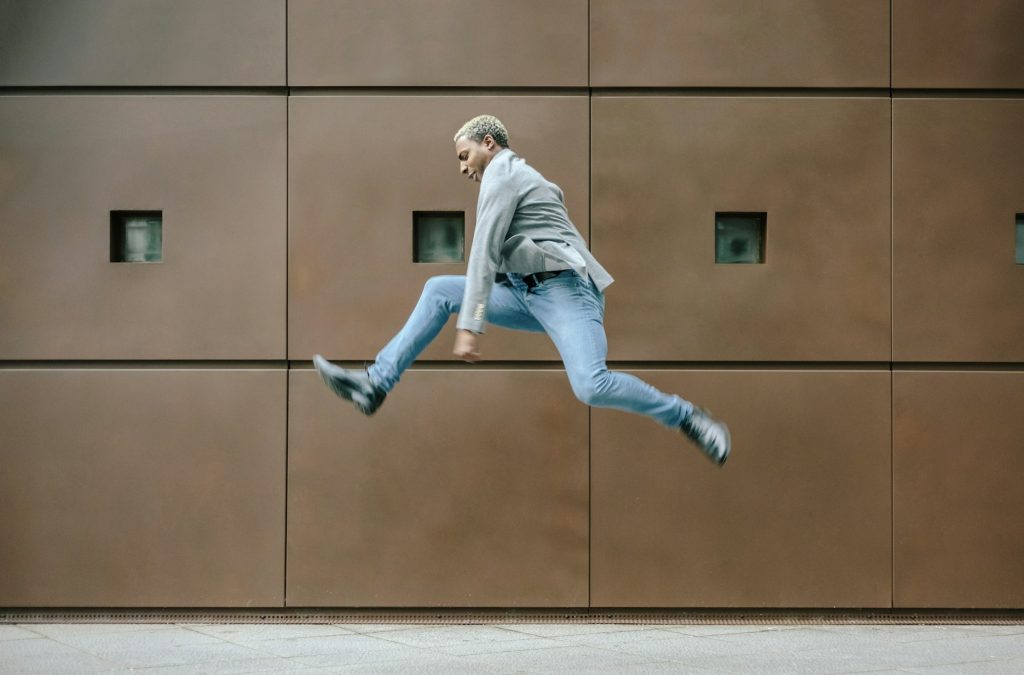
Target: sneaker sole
728,445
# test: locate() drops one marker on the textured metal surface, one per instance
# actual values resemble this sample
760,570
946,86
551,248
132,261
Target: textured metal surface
800,515
736,43
481,43
957,293
467,488
215,166
354,182
958,458
819,168
142,488
957,43
755,617
142,42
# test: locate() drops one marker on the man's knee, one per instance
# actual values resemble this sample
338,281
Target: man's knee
593,389
448,288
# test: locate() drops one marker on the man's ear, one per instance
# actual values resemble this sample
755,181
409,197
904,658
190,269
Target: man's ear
489,146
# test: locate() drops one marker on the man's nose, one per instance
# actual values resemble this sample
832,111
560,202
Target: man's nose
464,168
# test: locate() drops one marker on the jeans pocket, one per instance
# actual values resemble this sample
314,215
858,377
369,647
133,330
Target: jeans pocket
588,292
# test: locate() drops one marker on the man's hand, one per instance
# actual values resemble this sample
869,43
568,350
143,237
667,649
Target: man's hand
465,346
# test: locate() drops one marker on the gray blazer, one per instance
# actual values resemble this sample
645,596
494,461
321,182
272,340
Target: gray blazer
521,226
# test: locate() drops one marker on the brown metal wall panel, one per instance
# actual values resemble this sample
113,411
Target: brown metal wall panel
958,294
800,516
214,165
819,168
357,175
737,43
142,42
468,488
488,43
957,462
957,43
142,488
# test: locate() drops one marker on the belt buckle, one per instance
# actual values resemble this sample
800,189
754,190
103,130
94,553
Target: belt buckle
537,278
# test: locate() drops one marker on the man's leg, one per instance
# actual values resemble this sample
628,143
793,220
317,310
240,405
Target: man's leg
442,297
571,310
572,313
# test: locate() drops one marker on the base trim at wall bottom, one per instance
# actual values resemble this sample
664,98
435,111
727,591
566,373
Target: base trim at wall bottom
519,616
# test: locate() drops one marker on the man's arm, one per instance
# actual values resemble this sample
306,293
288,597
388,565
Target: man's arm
495,208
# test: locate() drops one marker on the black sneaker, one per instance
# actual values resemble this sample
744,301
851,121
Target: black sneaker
711,435
350,385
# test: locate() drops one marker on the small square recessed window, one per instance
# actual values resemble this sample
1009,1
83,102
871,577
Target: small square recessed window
739,237
438,236
1020,238
136,236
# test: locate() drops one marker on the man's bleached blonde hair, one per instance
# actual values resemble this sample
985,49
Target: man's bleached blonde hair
484,125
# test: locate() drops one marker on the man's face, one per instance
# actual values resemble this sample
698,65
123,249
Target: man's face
474,157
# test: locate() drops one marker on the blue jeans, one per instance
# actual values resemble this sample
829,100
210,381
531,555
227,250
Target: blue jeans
568,308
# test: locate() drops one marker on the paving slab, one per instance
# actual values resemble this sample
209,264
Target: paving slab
257,632
431,664
524,643
1009,667
934,653
803,639
50,629
145,656
44,656
635,669
562,659
17,633
684,647
818,662
12,650
379,627
358,648
240,667
562,630
448,636
81,664
614,639
96,641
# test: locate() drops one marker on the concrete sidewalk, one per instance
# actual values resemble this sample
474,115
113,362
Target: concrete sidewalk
509,648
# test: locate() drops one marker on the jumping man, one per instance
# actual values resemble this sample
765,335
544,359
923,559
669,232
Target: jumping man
529,269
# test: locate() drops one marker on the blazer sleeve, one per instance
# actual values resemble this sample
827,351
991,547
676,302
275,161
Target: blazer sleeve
495,208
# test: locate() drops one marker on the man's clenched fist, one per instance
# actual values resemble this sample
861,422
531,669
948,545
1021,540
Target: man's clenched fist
466,347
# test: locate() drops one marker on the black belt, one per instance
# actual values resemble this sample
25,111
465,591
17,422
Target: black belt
532,280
